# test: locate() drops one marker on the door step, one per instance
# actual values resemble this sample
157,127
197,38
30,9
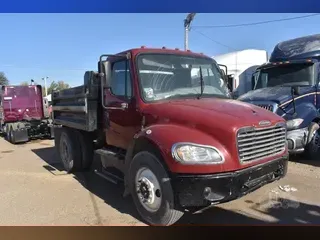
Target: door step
109,176
110,153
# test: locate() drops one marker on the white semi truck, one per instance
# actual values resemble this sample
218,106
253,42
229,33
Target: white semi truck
241,64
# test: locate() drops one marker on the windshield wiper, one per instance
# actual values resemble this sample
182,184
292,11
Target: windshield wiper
201,83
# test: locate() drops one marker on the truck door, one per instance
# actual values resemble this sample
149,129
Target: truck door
121,117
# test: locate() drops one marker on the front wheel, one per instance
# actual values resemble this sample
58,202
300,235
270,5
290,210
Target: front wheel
312,149
151,190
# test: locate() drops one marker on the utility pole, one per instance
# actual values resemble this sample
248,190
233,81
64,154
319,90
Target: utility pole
45,85
187,23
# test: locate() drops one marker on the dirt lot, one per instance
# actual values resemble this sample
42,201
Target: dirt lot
35,191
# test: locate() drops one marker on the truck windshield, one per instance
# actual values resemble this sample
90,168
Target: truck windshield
168,76
21,91
286,75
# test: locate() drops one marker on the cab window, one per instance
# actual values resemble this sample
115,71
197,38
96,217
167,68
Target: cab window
121,85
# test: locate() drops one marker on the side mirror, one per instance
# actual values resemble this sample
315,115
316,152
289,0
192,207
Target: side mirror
295,90
253,82
230,79
105,73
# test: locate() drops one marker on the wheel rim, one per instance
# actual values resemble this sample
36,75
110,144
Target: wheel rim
65,151
148,189
315,142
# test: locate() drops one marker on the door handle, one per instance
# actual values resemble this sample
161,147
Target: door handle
124,106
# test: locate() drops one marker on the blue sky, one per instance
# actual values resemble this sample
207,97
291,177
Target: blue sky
64,46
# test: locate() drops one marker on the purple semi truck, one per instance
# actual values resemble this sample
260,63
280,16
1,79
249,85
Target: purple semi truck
24,113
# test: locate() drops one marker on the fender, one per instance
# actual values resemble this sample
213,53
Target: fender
164,136
307,111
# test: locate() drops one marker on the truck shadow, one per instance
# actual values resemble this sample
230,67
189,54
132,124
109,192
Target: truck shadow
283,211
293,213
298,158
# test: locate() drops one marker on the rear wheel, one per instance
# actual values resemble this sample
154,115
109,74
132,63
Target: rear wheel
152,194
8,132
69,150
12,134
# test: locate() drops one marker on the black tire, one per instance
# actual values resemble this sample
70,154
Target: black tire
11,133
86,145
69,150
312,149
8,132
165,214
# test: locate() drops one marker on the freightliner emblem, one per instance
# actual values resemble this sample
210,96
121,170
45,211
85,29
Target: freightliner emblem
264,123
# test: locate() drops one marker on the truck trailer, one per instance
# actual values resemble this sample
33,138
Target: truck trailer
177,143
24,113
241,65
288,85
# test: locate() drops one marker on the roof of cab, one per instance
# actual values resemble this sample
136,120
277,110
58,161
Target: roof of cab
143,49
297,48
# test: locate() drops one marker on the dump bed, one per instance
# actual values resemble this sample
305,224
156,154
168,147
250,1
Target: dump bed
77,107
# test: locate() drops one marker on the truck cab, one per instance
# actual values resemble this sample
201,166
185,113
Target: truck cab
23,113
163,124
288,85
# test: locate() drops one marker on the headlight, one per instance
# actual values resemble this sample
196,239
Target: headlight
294,123
188,153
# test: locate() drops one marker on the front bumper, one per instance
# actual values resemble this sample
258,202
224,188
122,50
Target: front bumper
297,139
204,190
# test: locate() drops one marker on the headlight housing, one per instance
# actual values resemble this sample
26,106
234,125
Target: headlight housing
190,153
291,124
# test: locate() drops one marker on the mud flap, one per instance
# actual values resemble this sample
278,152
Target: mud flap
20,135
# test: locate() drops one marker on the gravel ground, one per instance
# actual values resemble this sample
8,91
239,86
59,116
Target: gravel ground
35,191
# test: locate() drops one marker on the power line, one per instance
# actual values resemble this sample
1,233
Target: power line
215,41
257,23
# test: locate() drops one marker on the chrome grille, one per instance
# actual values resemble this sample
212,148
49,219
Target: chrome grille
267,106
258,143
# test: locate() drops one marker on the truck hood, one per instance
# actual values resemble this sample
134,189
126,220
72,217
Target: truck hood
278,95
214,116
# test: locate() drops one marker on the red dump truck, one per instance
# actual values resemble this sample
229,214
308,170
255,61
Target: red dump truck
176,141
24,113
